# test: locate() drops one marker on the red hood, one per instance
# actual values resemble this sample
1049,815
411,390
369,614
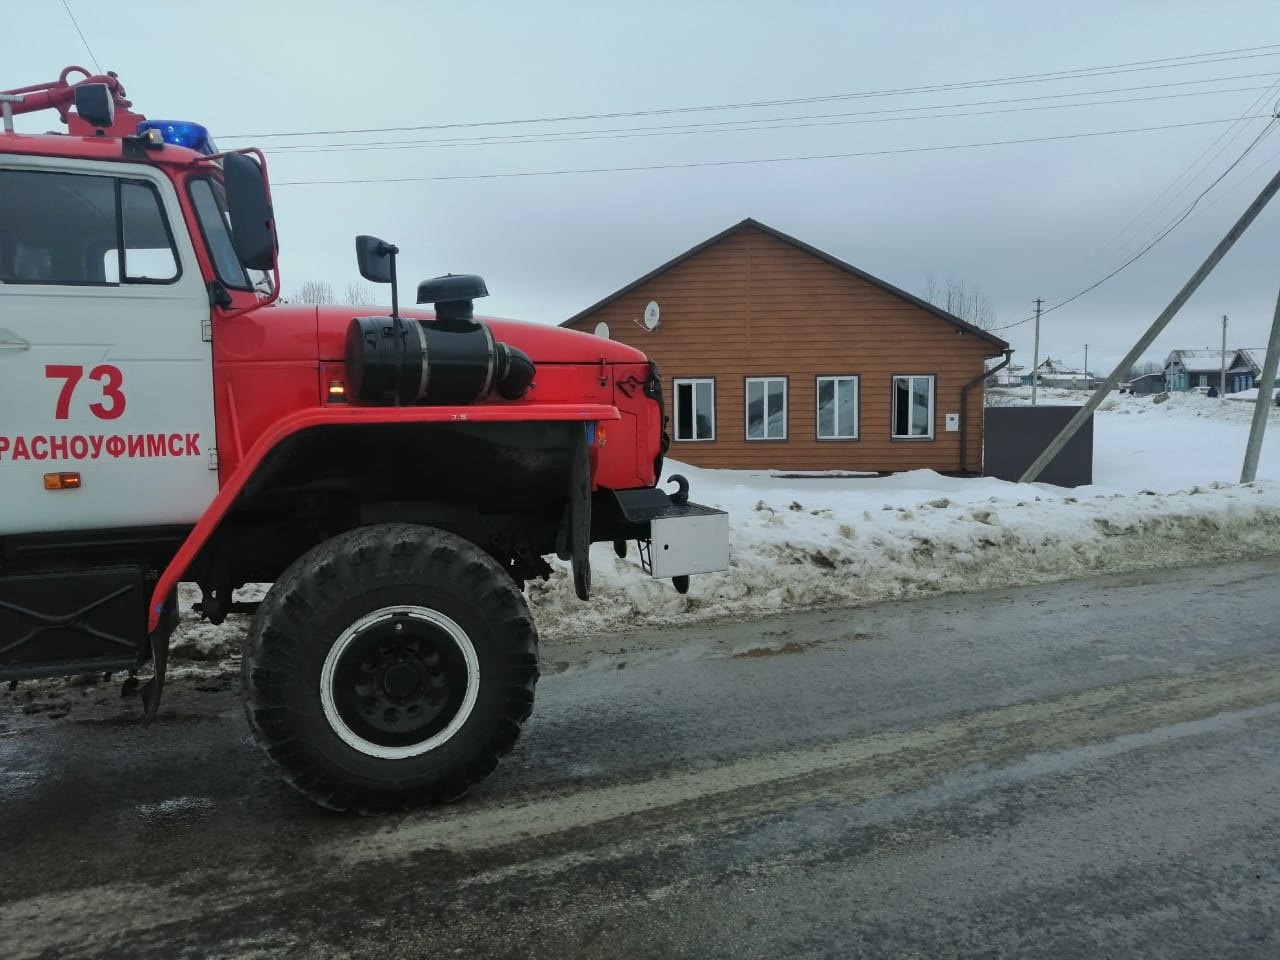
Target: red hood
542,343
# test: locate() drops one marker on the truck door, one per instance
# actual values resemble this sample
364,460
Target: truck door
105,370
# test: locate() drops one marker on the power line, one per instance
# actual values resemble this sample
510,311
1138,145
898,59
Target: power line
1175,224
1137,66
1226,138
741,127
1123,232
1168,230
529,137
1268,163
66,6
758,160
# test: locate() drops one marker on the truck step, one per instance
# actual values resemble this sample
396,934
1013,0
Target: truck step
72,622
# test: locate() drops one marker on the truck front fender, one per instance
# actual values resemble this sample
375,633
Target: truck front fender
347,416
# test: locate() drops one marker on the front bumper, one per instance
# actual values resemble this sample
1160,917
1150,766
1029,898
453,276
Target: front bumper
677,538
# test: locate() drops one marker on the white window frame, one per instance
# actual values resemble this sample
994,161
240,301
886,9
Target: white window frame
675,409
817,406
893,404
746,408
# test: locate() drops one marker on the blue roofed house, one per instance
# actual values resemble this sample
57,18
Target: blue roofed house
1189,369
1246,369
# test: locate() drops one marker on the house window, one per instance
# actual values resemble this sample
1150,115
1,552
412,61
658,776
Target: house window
766,408
913,408
837,408
695,409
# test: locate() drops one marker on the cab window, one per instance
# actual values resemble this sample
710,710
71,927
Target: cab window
82,229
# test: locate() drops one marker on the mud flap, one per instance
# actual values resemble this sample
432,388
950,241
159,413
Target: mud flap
152,690
580,518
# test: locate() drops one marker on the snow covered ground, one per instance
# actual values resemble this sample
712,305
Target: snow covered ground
1166,493
1250,395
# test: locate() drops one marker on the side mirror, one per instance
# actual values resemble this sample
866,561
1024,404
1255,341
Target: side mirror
249,209
376,259
95,104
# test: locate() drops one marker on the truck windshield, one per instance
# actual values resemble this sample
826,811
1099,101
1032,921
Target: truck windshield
211,211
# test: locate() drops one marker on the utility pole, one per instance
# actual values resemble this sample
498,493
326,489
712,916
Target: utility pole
1144,342
1035,357
1266,388
1222,383
1086,368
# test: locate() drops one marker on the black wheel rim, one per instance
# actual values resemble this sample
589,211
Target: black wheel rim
399,682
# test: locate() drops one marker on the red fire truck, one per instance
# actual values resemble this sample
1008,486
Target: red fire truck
397,479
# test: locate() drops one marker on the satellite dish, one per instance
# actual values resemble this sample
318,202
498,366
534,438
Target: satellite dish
602,330
651,315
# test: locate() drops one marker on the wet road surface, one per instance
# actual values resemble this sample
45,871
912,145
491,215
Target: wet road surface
1084,769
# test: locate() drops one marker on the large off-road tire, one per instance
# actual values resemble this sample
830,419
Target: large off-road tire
390,667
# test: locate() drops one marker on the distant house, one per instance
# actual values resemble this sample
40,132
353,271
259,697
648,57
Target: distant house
1147,383
1188,369
1010,376
1247,369
775,354
1054,373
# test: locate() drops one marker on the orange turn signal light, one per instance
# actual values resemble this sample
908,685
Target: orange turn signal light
62,481
337,392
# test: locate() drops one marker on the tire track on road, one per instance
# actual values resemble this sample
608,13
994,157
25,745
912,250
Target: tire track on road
859,768
539,838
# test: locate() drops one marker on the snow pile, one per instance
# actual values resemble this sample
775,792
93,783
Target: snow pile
196,639
1176,404
912,535
1251,394
1165,494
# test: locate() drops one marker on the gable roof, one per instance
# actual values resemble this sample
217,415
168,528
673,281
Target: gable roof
1059,369
1210,361
1253,358
1196,361
800,245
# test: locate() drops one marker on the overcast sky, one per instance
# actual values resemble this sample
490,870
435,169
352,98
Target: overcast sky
1021,221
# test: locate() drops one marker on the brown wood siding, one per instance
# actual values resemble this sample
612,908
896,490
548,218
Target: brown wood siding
753,305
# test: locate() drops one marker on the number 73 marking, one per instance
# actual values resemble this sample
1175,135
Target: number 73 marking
109,377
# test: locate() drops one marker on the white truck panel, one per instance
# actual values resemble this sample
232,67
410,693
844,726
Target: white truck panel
137,345
683,545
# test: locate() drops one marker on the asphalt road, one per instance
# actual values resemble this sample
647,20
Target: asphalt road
1088,769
